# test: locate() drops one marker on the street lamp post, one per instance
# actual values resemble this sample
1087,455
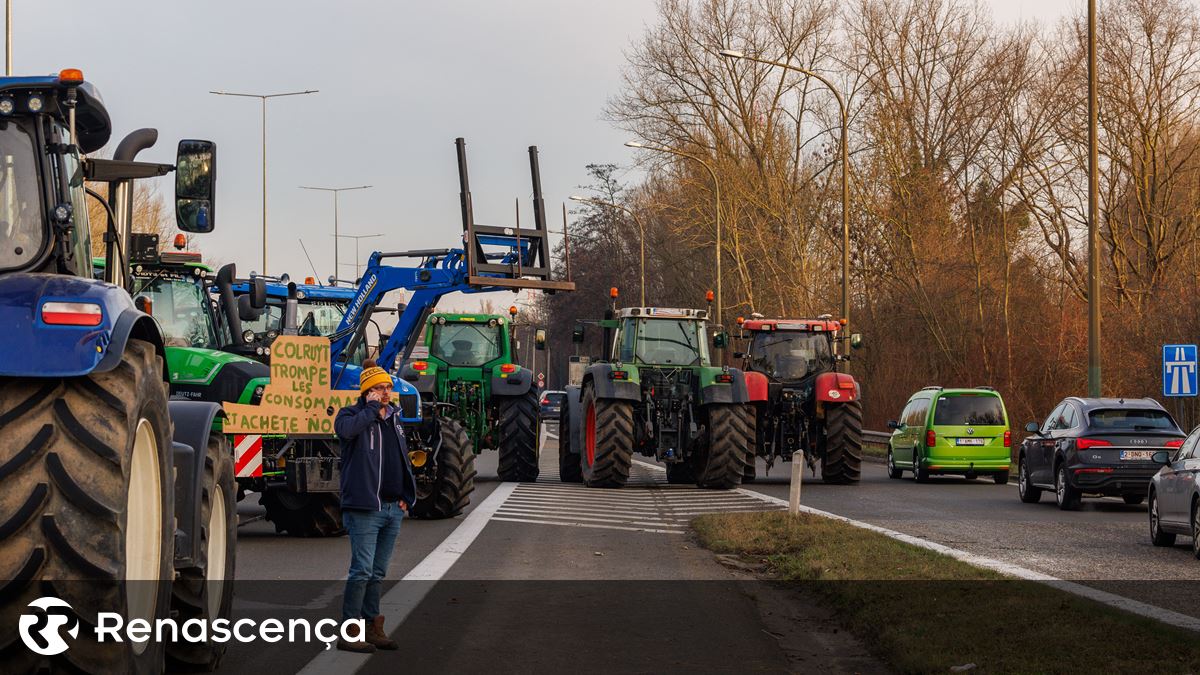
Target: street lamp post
356,238
734,54
336,260
1093,213
263,98
641,229
716,203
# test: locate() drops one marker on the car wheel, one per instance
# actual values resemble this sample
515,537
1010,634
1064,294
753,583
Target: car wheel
1133,500
1066,496
1000,478
1028,493
893,472
1195,531
1157,536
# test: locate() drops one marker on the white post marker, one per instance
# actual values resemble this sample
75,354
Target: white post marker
797,477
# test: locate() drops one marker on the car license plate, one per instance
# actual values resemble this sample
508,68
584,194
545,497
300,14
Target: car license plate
971,441
1137,454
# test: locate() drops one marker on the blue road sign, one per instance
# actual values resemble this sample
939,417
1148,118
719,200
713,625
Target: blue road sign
1179,370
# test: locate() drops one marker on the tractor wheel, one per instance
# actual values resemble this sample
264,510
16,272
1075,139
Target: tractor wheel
206,592
312,514
518,437
569,469
842,462
607,440
729,449
455,474
88,480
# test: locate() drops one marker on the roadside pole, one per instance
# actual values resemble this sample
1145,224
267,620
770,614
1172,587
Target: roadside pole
797,477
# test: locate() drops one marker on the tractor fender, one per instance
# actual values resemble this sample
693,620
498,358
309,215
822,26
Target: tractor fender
511,384
574,405
726,392
757,387
836,388
193,422
606,387
35,348
424,380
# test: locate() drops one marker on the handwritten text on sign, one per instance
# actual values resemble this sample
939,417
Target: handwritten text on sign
298,399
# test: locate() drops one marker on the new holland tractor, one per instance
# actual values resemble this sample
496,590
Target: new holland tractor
800,400
657,393
115,497
472,366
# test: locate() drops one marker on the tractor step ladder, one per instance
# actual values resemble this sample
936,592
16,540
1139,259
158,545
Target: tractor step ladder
509,257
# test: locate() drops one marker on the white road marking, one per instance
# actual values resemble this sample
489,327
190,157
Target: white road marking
572,518
404,597
589,525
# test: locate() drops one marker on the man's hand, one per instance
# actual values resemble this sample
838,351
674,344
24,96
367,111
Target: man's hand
403,505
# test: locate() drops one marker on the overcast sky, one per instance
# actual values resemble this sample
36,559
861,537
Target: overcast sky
398,81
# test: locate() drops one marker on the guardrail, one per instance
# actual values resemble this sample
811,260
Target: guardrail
876,437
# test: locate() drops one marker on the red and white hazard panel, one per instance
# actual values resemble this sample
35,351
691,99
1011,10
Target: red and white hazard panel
247,456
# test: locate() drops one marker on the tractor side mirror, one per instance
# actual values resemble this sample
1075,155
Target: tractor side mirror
258,293
720,340
577,334
1032,427
246,309
856,340
539,339
894,425
195,186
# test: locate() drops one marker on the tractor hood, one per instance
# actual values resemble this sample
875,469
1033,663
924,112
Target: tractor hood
70,337
215,376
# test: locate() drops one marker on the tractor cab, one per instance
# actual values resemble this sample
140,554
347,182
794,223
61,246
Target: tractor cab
662,337
790,351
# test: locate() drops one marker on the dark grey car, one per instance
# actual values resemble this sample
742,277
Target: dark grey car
1175,496
1095,447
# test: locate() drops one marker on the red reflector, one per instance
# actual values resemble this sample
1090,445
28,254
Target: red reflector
1085,443
725,378
1098,469
618,375
846,383
508,368
930,438
1174,444
72,314
1007,438
420,365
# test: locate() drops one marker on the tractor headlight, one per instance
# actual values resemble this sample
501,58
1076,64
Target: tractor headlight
6,106
260,351
35,103
248,336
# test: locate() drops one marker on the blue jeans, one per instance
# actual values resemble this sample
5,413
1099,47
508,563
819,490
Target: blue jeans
372,539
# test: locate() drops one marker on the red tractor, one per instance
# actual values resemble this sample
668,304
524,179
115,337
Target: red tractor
801,402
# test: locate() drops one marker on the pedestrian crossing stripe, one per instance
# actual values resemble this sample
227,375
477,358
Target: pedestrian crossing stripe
646,504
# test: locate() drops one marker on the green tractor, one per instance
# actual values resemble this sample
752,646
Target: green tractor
471,367
658,394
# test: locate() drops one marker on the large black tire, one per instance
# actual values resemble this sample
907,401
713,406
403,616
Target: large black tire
79,464
842,463
569,469
518,437
607,452
729,447
455,481
196,594
310,514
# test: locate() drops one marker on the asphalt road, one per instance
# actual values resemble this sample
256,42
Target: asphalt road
564,577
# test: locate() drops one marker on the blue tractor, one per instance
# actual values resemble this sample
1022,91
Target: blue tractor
106,480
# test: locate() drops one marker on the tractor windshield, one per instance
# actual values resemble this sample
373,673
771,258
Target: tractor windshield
22,230
465,344
180,309
665,342
790,356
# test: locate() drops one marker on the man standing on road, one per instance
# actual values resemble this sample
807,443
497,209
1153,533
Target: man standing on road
378,488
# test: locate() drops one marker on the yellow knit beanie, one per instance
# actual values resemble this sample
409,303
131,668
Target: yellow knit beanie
372,375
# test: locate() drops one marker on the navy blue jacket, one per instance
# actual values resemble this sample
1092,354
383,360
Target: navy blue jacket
374,457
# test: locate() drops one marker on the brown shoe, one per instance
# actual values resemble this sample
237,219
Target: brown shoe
358,647
378,637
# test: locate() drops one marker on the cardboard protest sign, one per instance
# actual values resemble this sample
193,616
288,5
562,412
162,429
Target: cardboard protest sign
298,399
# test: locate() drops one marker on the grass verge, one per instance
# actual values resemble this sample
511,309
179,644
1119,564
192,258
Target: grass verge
924,612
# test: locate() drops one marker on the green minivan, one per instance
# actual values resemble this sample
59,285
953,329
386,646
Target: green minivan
951,431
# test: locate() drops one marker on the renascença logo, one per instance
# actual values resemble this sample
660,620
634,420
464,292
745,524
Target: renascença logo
41,626
41,629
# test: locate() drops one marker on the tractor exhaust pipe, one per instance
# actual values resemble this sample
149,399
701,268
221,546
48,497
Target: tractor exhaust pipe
290,310
464,184
120,197
539,205
225,277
